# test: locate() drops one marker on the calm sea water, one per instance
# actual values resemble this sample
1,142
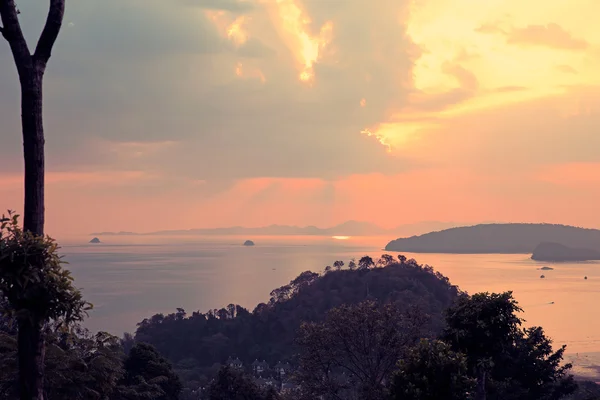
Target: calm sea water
131,278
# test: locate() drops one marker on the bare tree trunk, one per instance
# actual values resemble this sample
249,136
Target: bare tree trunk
32,353
33,150
31,67
481,378
31,343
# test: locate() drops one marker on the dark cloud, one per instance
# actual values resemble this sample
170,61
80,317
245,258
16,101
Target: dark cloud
150,71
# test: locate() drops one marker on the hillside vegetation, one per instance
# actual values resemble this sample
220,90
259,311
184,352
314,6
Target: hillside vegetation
197,342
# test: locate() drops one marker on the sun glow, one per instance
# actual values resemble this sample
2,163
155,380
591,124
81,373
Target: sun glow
294,26
232,29
236,33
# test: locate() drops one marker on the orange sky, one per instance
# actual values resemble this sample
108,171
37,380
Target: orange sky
313,113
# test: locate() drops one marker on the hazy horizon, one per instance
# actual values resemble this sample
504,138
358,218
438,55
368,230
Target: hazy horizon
417,226
206,113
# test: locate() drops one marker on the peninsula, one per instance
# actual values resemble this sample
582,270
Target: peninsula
497,238
556,252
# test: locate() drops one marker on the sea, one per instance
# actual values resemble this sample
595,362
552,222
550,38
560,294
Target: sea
129,278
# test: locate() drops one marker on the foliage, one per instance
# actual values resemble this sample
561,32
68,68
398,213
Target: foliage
234,385
432,371
483,325
509,362
144,365
82,366
32,279
78,365
198,342
354,351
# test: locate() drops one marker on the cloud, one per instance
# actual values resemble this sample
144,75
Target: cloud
217,100
550,35
254,48
237,6
508,89
567,69
553,130
490,28
165,71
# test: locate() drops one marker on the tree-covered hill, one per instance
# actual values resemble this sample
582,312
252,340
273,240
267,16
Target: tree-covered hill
197,342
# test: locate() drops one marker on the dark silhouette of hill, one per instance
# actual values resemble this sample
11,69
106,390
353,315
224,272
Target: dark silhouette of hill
197,342
497,238
560,253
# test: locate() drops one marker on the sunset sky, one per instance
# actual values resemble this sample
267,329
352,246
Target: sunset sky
203,113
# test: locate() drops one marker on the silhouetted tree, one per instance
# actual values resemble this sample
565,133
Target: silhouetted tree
78,365
234,385
37,291
128,341
365,263
432,371
355,349
352,265
31,68
385,260
509,362
481,327
145,364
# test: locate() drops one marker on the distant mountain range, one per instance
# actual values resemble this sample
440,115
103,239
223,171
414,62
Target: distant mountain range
504,238
348,228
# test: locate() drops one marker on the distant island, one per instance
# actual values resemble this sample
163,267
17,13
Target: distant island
348,228
497,238
555,252
95,240
248,243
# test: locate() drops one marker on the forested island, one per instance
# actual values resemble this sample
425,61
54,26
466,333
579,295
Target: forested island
497,238
555,252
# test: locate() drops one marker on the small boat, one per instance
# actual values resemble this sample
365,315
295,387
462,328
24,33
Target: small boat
542,277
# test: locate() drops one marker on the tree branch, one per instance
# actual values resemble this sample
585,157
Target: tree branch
50,32
11,30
